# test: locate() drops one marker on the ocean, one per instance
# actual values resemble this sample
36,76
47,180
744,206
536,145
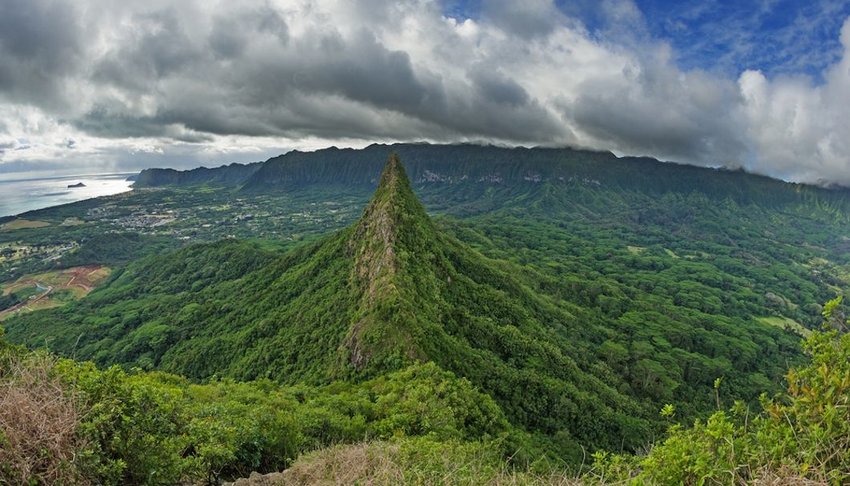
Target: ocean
21,195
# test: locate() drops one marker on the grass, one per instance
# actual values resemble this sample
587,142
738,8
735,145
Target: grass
25,292
41,304
74,221
783,323
38,424
17,224
416,461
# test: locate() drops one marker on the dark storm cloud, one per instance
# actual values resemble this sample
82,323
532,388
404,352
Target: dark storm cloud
139,76
245,74
179,72
498,88
40,45
662,112
102,123
157,48
230,35
360,69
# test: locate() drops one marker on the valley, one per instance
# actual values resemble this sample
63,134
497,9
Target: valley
424,243
578,293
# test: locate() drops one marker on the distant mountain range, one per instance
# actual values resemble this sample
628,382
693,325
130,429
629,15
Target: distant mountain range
490,166
232,174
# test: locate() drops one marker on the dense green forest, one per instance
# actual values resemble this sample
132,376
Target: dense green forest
392,290
112,427
419,425
573,295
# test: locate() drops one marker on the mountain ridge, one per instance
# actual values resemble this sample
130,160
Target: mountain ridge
155,177
482,168
227,174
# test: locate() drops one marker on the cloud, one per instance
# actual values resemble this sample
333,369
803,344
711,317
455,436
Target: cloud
40,46
527,19
198,81
800,130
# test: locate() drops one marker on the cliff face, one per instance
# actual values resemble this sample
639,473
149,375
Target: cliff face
424,163
393,229
475,169
227,175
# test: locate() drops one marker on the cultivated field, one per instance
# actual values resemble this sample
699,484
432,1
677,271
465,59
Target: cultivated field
17,224
52,289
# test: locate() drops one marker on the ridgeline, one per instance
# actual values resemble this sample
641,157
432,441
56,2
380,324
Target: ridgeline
391,290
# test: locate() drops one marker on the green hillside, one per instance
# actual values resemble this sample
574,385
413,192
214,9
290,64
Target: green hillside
65,422
510,328
396,288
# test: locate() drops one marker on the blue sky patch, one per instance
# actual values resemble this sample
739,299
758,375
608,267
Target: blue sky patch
777,37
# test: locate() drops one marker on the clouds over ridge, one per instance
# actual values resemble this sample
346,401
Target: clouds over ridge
195,81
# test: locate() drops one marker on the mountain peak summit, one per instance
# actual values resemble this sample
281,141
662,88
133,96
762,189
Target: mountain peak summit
394,228
393,213
393,172
394,185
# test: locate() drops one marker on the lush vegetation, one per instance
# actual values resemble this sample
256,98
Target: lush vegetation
420,425
802,437
155,428
392,290
580,292
10,300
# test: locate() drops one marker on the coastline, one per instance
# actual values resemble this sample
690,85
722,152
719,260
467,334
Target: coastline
33,193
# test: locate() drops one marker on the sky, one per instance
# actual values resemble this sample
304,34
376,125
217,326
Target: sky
104,86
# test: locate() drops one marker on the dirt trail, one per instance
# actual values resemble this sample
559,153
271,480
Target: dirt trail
81,277
29,301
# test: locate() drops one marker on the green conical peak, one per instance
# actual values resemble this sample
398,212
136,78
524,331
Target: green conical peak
395,184
393,209
393,229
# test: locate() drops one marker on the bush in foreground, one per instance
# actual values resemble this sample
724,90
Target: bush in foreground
802,437
63,422
38,424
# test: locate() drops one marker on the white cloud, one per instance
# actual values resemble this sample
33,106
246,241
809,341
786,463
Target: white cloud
155,82
797,129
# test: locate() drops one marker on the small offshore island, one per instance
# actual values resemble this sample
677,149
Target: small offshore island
79,184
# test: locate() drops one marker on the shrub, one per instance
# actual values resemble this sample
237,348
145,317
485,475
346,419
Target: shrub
39,420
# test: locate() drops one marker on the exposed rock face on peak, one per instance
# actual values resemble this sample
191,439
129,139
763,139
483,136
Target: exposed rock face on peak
393,225
375,236
393,217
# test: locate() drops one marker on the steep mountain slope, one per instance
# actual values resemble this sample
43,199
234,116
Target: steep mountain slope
231,174
389,290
